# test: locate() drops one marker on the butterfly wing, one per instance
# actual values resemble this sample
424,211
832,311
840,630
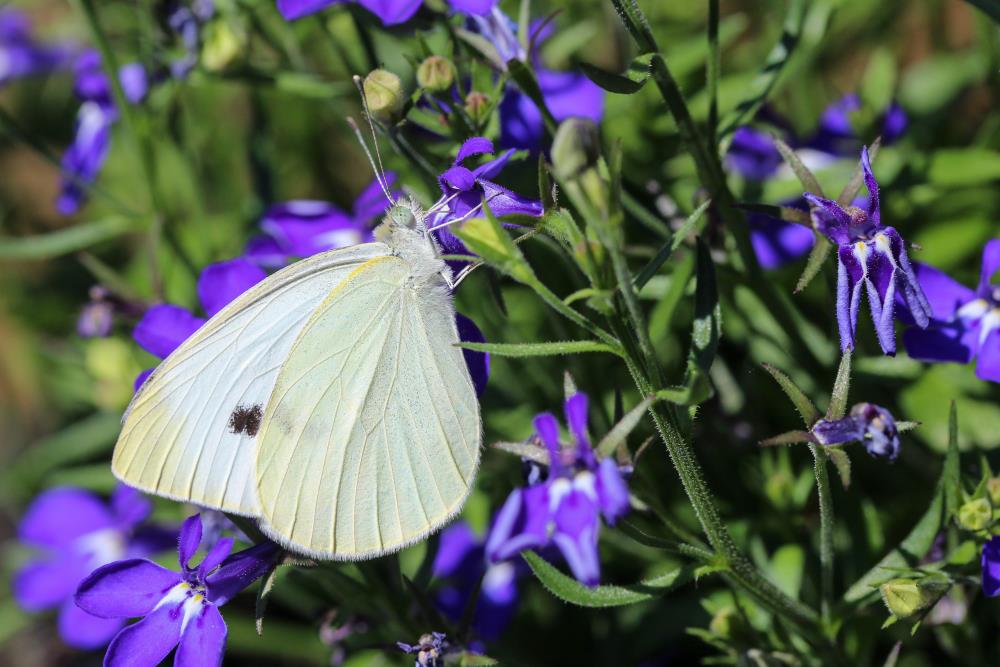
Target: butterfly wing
371,439
183,436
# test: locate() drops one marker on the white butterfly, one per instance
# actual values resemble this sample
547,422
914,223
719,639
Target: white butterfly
329,401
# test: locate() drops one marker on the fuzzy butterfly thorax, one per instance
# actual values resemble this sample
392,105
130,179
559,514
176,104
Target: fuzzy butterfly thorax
403,229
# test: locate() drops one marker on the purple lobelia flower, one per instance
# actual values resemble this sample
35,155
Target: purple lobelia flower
390,12
461,563
75,532
835,134
965,323
465,190
430,650
867,423
20,54
300,228
566,508
991,567
178,608
164,327
869,256
566,94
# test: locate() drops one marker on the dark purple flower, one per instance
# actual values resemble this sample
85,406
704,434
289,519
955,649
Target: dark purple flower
75,532
991,567
465,191
178,609
20,54
753,154
566,94
478,362
867,423
965,323
836,135
164,327
566,508
430,649
869,256
390,12
460,563
300,228
778,242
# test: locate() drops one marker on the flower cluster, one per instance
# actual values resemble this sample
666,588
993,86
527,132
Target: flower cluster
566,507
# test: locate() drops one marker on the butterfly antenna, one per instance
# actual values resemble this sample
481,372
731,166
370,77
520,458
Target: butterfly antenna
380,172
371,160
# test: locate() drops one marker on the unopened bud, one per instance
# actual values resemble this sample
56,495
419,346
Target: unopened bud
436,74
906,597
222,44
476,104
384,94
975,515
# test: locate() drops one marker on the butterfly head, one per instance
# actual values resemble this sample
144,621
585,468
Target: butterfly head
403,229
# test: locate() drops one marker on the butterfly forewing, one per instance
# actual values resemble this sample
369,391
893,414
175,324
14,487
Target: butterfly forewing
371,438
189,434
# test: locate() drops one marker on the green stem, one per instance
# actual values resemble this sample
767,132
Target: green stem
712,75
825,528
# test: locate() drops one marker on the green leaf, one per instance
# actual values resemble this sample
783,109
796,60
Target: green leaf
484,236
630,81
540,349
263,597
853,186
63,241
817,258
810,415
525,450
842,462
786,213
572,591
620,431
879,82
801,171
963,166
707,327
689,226
921,538
788,438
841,386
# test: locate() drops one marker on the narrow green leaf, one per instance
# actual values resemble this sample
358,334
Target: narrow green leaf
484,236
841,387
788,438
707,328
524,450
786,213
539,349
620,431
801,171
263,596
630,81
524,27
482,45
63,241
570,590
842,462
817,258
689,226
806,409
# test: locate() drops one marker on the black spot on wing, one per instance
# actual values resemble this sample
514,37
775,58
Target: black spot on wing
245,419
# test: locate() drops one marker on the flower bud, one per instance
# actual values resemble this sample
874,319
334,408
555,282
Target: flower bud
993,490
436,74
476,104
384,94
906,597
222,44
976,514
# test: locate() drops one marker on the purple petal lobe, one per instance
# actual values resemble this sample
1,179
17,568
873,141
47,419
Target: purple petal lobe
477,362
44,584
576,417
163,328
220,283
576,535
991,264
945,342
295,9
392,12
83,631
84,158
148,642
215,556
569,94
547,428
129,505
988,364
265,251
58,516
473,146
476,7
874,211
459,178
203,639
505,202
521,523
125,589
306,227
944,294
991,567
240,570
752,154
141,378
612,492
189,540
457,542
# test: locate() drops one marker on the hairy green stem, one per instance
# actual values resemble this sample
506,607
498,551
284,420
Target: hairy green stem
825,528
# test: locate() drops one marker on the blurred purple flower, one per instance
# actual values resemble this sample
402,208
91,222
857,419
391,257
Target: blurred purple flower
965,323
867,423
778,242
300,228
836,135
461,563
991,567
390,12
75,532
186,22
566,94
566,508
752,154
178,609
20,54
430,649
164,327
465,190
870,256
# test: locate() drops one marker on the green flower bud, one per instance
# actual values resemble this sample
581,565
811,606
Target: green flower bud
222,44
906,597
721,624
976,514
384,94
993,490
476,104
436,74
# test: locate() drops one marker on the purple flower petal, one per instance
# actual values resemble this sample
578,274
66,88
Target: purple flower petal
240,570
830,218
838,431
502,201
306,227
220,283
130,506
125,588
392,12
521,124
493,167
135,83
547,428
218,553
477,362
84,631
991,567
569,94
752,154
944,294
59,516
894,124
295,9
776,243
264,251
148,642
521,523
458,178
988,363
990,265
456,544
949,342
189,540
141,378
163,328
84,158
612,492
576,523
874,212
476,7
576,417
473,146
203,639
44,584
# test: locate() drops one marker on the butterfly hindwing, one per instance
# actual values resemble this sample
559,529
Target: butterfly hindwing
190,432
371,438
